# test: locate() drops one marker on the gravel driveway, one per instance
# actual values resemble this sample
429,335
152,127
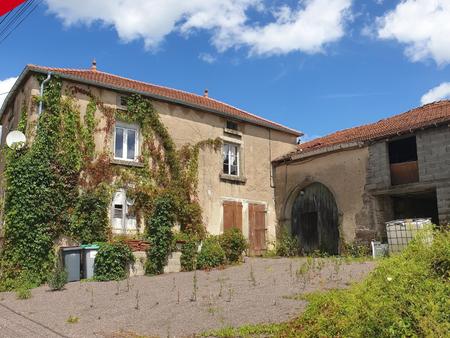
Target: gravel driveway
164,306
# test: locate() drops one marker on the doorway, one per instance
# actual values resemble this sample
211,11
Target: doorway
315,220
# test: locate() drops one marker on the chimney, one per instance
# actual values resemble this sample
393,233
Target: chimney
205,93
94,65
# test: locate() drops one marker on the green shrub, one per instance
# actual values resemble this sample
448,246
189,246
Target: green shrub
355,249
160,235
287,245
112,261
233,244
58,277
211,254
189,250
25,283
405,296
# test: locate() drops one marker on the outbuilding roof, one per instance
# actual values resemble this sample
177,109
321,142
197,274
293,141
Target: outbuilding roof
92,76
429,115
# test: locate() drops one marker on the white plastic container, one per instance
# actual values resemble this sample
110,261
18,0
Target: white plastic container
401,232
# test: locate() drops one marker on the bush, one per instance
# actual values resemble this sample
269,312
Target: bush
405,296
159,233
356,249
58,277
112,261
287,245
189,250
211,254
233,244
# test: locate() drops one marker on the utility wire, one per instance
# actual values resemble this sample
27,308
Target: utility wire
17,12
21,15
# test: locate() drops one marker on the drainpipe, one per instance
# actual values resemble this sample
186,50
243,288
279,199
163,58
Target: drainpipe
49,75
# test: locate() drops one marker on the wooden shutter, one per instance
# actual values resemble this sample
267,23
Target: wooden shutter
257,227
232,215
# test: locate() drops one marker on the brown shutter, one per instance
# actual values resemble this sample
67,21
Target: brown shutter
238,215
257,225
232,215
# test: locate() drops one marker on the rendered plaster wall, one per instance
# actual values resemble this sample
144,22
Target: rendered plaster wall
344,174
259,146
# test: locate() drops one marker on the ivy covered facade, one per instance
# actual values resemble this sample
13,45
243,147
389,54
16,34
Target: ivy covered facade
105,148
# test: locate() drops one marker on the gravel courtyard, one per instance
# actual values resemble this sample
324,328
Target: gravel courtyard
256,291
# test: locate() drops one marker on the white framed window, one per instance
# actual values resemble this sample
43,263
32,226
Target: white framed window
123,215
126,142
231,159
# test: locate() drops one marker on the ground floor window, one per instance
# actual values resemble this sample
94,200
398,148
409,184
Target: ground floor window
123,214
232,215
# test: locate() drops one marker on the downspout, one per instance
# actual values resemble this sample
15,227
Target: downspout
49,75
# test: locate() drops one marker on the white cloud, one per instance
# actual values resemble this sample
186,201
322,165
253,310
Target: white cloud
5,87
422,25
208,58
308,27
437,93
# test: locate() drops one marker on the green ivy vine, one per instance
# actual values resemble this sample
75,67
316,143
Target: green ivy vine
59,185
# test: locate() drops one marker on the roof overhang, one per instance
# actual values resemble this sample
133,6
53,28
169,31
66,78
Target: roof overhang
29,69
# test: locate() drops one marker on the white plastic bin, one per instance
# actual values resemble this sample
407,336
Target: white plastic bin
401,232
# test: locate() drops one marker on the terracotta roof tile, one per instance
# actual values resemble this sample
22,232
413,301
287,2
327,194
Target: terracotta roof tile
169,94
421,117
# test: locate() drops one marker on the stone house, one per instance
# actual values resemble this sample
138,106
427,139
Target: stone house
235,185
346,185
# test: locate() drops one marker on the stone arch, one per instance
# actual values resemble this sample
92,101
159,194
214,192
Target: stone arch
314,217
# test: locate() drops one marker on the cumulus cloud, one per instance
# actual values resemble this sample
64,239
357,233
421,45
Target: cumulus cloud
437,93
5,87
423,26
307,27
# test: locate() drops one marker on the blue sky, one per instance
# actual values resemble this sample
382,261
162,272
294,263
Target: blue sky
356,62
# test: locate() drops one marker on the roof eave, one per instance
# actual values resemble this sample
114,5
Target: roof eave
299,155
29,69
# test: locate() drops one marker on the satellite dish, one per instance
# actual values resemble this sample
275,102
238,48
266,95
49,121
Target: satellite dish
15,139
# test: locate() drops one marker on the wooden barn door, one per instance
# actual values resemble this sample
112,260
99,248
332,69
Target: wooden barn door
257,229
232,215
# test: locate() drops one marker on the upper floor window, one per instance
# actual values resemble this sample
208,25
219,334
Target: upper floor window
403,150
231,159
126,140
232,125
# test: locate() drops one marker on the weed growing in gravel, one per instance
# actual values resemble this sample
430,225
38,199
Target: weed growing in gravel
117,288
137,300
230,292
252,276
92,297
23,293
73,319
194,287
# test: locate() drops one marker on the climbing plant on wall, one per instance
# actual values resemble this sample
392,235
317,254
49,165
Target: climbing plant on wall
58,185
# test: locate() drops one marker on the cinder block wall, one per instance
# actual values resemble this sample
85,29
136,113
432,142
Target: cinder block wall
433,153
378,170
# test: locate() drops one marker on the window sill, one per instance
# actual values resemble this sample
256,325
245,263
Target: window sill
232,132
233,178
127,163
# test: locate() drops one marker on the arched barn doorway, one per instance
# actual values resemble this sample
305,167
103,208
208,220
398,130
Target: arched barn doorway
315,219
